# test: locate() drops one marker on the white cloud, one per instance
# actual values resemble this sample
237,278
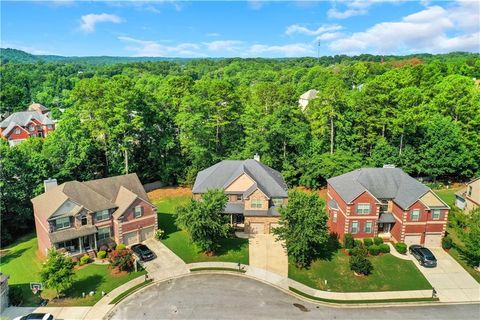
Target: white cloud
148,48
434,29
288,50
224,45
89,21
353,8
329,36
213,34
296,28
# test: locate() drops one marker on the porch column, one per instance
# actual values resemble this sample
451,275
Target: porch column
231,219
80,244
95,239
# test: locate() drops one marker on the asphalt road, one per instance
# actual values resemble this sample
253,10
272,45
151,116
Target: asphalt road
232,297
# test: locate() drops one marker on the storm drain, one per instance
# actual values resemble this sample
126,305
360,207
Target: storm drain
301,307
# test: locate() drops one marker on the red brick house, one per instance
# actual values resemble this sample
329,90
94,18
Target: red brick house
19,126
388,203
79,217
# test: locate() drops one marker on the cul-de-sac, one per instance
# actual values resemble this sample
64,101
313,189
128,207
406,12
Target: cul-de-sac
239,160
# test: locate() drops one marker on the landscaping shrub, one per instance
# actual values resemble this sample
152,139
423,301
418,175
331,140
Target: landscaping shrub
401,247
360,264
358,243
84,259
120,246
367,242
374,250
159,234
15,296
358,250
384,248
101,254
377,240
447,243
122,259
348,241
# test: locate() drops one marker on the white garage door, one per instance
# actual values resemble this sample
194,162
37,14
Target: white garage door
256,228
130,238
146,233
433,240
412,239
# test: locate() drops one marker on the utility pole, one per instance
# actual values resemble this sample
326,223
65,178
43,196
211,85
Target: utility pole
318,51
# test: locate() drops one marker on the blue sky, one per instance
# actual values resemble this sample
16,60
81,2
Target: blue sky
240,28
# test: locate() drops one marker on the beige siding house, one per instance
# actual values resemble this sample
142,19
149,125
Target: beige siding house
469,198
255,192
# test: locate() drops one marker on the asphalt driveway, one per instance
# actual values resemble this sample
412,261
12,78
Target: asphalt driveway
221,296
452,282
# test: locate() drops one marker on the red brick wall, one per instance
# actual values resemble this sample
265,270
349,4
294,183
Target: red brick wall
14,136
148,218
42,236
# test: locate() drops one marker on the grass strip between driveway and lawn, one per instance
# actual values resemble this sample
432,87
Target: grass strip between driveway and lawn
128,292
217,269
303,294
232,249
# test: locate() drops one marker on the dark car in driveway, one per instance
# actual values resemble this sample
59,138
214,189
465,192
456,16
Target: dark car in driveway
424,256
143,252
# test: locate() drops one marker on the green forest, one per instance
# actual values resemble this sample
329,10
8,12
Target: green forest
171,119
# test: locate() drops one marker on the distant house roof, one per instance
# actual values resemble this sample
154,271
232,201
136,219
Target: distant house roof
37,107
22,119
115,192
309,95
382,183
222,174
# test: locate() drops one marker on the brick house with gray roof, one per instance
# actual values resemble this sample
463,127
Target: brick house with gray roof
78,217
255,192
19,126
388,203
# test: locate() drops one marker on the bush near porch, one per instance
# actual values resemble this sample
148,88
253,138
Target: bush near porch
232,249
389,274
21,263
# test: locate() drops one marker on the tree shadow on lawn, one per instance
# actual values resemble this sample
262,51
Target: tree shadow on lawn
29,299
330,249
13,255
90,283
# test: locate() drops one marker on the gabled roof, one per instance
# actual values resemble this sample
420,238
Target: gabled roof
95,195
309,95
37,107
222,174
382,183
23,118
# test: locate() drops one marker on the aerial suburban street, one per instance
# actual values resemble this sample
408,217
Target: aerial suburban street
233,297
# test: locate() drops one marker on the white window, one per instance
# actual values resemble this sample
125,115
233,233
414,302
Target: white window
354,227
102,215
334,216
138,212
62,223
50,126
31,127
103,233
17,131
257,203
277,202
436,214
363,208
368,227
415,215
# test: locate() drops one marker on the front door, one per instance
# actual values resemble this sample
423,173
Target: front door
386,227
86,243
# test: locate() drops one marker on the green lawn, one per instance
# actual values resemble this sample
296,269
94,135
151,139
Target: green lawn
21,263
447,195
232,249
389,274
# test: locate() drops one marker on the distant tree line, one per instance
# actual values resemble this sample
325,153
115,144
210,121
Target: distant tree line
172,119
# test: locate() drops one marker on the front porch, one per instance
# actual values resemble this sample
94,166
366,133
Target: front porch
78,246
385,224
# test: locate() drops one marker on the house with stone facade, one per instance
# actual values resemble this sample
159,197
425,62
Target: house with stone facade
78,217
388,203
255,192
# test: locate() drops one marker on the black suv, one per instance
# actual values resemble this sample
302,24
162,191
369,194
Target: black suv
424,256
143,252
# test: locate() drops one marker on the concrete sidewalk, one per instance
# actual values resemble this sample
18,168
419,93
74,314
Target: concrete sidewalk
60,313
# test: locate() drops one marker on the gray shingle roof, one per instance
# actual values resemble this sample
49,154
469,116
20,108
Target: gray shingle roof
225,172
234,207
382,183
271,212
71,233
386,217
23,118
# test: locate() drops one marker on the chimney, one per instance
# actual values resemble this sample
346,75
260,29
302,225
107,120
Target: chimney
256,157
49,184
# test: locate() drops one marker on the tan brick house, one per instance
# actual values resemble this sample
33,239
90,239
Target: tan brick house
255,192
78,217
468,198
